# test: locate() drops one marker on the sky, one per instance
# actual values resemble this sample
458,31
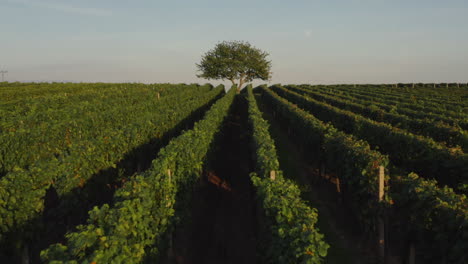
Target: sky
314,41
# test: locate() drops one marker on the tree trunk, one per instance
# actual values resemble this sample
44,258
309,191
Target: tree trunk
234,83
241,82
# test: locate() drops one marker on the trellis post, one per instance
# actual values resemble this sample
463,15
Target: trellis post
169,174
412,254
272,175
381,224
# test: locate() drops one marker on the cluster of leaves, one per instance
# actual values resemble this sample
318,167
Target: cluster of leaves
437,218
293,237
353,160
410,109
440,132
415,153
290,223
143,212
77,147
265,156
235,60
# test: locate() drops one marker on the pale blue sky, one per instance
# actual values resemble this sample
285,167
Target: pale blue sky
329,41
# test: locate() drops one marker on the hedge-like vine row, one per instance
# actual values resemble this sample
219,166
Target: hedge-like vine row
459,119
419,103
435,218
408,151
35,128
134,228
451,135
382,104
353,160
22,190
292,236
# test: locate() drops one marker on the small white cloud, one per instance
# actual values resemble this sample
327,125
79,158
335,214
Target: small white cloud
307,33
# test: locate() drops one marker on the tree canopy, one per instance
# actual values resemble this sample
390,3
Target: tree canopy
235,61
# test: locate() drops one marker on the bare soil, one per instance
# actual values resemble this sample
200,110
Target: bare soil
223,226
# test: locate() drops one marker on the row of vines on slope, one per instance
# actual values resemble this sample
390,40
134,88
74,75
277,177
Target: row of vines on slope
291,235
408,151
440,132
22,190
409,100
135,227
352,159
435,218
40,129
455,119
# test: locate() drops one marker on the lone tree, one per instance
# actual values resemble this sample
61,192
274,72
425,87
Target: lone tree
235,61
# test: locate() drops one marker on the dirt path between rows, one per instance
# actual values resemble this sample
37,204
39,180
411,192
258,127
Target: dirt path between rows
222,228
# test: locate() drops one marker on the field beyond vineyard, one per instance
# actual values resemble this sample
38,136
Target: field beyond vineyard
188,173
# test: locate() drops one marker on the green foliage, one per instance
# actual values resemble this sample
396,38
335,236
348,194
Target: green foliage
437,218
291,233
439,131
412,152
235,60
409,104
145,206
265,158
343,155
39,126
417,100
66,150
291,223
60,135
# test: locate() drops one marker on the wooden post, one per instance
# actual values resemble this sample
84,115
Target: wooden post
25,255
381,224
272,175
171,243
381,183
412,254
338,185
158,96
170,248
169,174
